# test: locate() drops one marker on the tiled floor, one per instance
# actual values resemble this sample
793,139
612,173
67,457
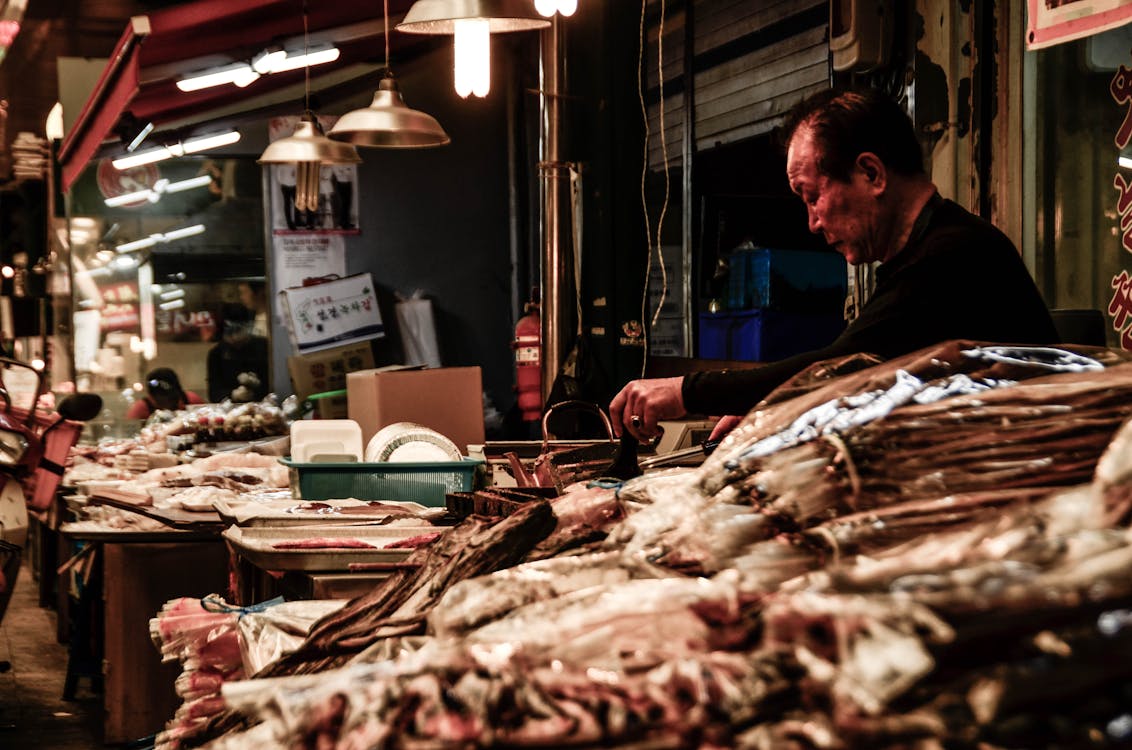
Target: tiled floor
33,714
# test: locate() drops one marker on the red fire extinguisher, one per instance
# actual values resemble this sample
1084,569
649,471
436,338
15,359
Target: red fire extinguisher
528,362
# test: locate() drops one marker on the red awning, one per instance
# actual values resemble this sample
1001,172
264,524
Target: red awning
138,84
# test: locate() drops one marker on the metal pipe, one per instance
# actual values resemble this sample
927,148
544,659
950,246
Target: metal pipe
687,186
556,284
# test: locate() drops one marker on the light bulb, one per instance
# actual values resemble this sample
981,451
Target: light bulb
567,7
546,8
473,56
306,185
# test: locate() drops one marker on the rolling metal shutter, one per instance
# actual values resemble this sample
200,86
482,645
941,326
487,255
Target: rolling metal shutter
752,61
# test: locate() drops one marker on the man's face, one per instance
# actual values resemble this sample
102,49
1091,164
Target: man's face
237,333
845,213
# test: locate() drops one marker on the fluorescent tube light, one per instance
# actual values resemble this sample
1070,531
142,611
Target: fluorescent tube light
125,198
240,74
144,157
158,237
143,243
161,187
193,145
268,61
137,141
178,234
190,146
310,59
172,304
1124,161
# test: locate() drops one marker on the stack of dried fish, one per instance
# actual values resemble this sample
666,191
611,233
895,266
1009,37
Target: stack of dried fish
398,605
859,567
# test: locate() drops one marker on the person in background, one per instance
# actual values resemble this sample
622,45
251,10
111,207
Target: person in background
237,364
342,197
944,273
163,391
253,296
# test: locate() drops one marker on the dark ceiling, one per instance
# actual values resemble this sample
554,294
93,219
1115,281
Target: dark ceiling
91,28
52,29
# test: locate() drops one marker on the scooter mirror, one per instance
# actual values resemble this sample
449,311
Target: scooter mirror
79,406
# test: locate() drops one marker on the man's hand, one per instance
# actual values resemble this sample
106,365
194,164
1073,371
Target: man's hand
643,403
724,426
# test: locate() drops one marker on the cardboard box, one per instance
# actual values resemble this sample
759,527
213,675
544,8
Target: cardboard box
446,399
326,370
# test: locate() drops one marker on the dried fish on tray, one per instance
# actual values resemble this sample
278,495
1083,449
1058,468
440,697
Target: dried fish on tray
921,427
898,581
319,548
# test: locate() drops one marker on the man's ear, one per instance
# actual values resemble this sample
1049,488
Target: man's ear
873,170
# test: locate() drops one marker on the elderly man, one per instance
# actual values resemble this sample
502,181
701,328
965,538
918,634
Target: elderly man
944,273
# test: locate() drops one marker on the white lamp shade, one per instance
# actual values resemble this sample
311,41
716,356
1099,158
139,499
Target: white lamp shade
440,16
388,123
308,144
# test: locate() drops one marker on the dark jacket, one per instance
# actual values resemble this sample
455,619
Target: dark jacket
958,277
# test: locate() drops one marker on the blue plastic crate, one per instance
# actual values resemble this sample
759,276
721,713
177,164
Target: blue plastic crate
765,335
790,280
426,483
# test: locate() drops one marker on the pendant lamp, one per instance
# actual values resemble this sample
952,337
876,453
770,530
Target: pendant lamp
472,22
308,149
388,122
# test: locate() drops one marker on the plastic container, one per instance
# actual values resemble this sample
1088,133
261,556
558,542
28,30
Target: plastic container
335,439
424,483
765,335
791,280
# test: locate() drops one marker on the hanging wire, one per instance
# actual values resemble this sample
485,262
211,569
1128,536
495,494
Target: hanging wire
664,157
647,321
387,72
307,66
644,178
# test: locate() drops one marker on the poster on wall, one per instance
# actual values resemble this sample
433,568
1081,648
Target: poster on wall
1050,22
336,210
301,258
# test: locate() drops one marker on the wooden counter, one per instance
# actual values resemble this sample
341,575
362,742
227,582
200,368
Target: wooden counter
138,578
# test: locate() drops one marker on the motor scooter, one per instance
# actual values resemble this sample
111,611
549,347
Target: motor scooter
34,443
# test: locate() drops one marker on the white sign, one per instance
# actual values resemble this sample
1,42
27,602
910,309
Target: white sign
333,313
297,258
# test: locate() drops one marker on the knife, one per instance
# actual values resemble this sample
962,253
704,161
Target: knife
664,459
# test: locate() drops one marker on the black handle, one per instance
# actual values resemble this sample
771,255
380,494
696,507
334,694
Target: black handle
626,466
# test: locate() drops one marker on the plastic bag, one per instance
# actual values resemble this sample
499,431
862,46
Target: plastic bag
418,330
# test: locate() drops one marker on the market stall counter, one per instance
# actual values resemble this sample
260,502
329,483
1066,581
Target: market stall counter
132,574
877,559
142,529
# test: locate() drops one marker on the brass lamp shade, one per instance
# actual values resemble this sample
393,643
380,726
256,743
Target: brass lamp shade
308,144
440,16
388,123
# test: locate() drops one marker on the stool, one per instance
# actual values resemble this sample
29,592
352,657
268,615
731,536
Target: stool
84,644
